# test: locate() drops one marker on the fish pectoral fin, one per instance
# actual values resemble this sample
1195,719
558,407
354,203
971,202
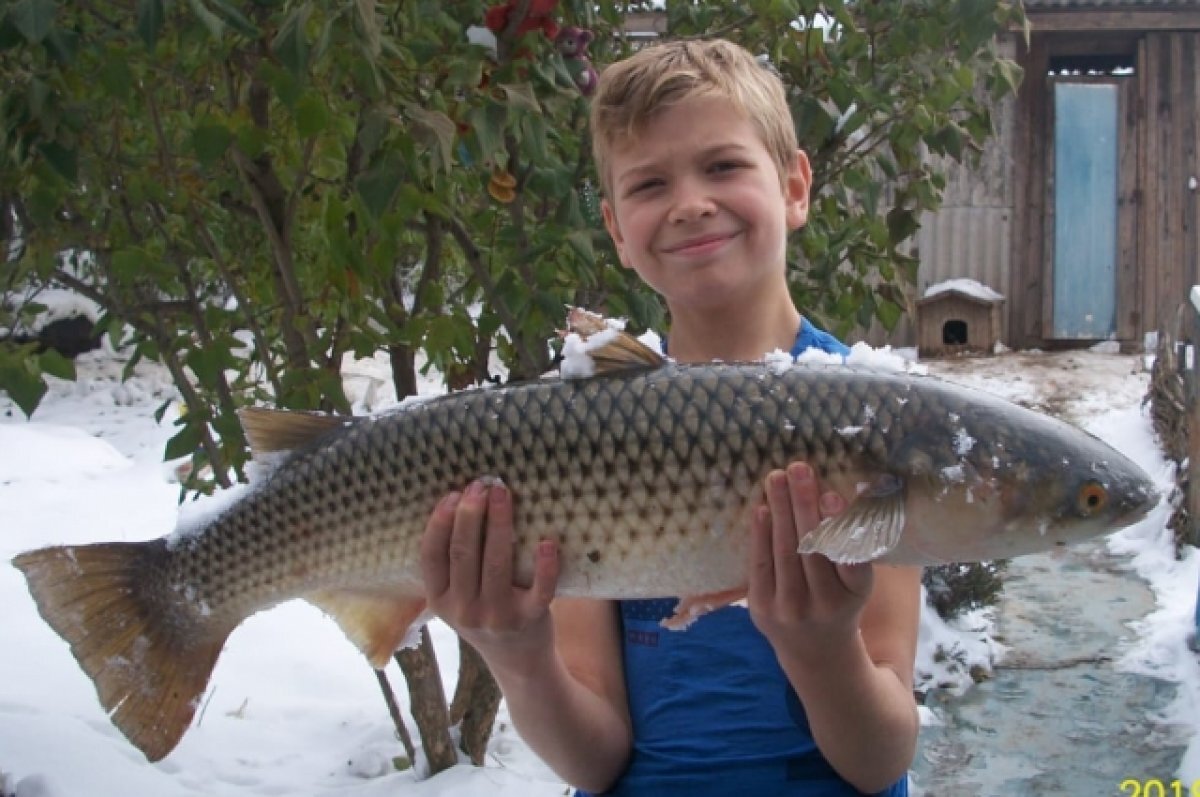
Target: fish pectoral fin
868,529
271,431
376,621
692,608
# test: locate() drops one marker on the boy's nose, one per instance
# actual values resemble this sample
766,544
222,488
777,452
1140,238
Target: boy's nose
691,202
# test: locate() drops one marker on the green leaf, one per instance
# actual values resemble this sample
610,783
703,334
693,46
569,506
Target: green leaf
150,20
488,125
185,443
520,97
290,45
62,45
210,140
53,363
236,19
116,78
378,186
439,127
33,18
312,115
216,28
20,378
581,243
63,160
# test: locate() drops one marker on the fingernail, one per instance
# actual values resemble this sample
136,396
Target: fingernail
499,494
476,488
800,472
450,501
831,503
777,480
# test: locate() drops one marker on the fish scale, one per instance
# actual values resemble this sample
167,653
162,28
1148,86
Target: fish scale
645,477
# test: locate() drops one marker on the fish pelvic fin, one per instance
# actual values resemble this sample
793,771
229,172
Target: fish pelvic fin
869,528
149,655
376,621
692,608
272,431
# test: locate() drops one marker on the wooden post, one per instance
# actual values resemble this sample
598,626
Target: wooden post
1192,396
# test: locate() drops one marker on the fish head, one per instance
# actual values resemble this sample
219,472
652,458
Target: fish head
1095,490
1030,485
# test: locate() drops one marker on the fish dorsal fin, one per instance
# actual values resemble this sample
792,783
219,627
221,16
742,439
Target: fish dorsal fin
376,621
624,352
868,529
271,431
611,350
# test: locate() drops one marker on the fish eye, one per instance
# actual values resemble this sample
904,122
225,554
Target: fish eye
1092,498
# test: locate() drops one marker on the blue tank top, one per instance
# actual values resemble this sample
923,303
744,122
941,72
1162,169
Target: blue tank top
713,713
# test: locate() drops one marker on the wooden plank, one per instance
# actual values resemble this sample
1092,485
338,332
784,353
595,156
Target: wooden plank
1190,141
1149,172
1107,43
1174,181
1076,20
1128,294
1024,308
1049,183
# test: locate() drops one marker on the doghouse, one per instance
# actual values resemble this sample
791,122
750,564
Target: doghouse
956,321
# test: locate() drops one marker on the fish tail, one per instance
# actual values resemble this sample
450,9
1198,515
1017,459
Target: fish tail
147,650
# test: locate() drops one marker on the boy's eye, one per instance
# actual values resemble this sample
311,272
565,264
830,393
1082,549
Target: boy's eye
725,166
644,185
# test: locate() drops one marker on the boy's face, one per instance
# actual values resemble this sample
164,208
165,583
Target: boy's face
698,208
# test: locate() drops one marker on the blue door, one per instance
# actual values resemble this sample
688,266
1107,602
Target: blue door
1085,210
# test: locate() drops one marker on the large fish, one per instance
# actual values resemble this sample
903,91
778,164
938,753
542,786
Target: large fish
645,474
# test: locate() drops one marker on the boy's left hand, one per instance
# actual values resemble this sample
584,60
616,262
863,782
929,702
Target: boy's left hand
801,602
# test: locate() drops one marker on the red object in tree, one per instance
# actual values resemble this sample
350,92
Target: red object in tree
539,17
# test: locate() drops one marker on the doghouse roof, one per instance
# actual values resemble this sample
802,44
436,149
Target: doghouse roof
961,289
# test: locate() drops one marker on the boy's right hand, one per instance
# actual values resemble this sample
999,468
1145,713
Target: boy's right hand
467,566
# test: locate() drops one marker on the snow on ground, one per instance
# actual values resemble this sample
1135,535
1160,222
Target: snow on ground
292,707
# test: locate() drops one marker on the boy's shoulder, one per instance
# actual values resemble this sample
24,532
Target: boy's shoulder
813,337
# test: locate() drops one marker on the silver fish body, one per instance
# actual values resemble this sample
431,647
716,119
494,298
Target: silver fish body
645,478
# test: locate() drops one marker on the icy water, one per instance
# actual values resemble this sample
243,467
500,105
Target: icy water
1056,717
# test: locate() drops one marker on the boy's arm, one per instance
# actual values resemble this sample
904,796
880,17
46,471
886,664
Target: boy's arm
559,669
844,635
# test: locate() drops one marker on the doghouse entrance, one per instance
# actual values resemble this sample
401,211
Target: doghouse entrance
954,332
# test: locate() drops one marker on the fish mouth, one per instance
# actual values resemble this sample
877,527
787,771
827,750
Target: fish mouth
1139,503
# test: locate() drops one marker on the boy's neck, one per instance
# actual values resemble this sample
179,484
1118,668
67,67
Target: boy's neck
740,334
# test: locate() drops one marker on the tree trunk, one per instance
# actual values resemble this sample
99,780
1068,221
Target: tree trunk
428,700
476,701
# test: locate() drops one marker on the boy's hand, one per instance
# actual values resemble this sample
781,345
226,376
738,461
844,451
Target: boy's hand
801,603
467,566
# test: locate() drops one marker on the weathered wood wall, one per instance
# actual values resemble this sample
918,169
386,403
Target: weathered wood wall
1167,218
1159,228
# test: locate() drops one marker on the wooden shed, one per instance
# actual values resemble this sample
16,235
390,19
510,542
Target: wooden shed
1084,212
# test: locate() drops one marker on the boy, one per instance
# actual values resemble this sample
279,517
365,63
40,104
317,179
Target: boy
810,691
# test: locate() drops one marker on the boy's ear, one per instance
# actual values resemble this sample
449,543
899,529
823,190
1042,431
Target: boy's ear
796,185
614,230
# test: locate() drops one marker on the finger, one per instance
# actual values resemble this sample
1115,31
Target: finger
784,542
761,588
805,498
435,545
545,579
466,542
822,577
497,573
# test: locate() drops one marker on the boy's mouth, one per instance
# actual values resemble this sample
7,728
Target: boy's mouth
700,244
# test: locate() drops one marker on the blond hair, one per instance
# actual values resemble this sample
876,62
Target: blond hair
633,91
